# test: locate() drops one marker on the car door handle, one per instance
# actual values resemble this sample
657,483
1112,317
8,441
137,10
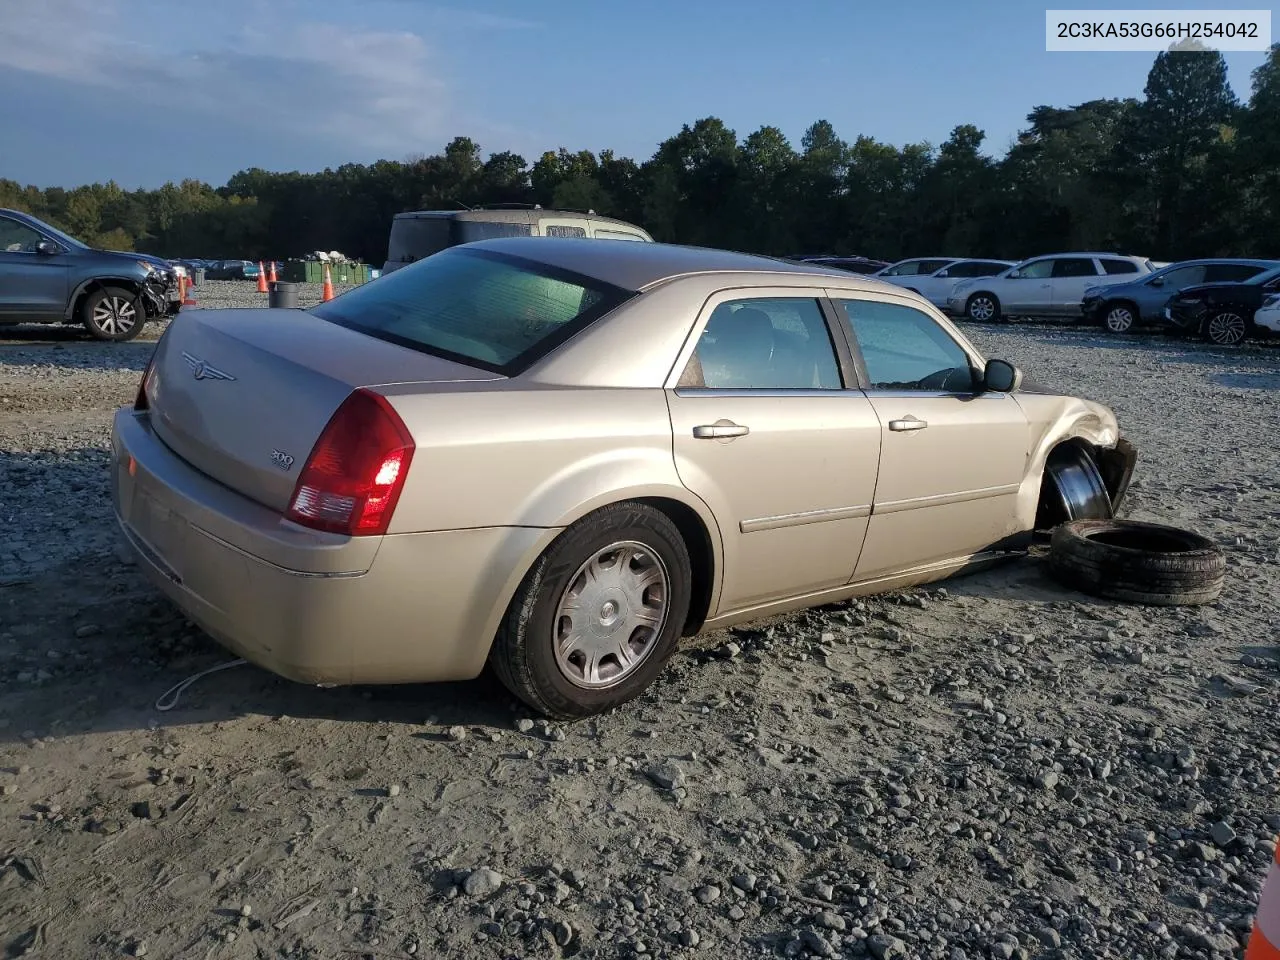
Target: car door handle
907,423
720,430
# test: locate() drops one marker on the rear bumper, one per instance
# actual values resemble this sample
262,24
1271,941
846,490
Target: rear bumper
312,607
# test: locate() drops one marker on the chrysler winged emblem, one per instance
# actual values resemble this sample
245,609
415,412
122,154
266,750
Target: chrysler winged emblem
204,371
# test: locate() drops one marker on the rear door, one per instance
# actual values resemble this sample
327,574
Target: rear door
771,431
1072,276
32,285
952,459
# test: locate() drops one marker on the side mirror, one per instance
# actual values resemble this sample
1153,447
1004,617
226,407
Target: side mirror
1157,282
1001,376
1014,275
47,248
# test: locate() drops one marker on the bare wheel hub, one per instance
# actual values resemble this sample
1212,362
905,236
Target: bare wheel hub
611,614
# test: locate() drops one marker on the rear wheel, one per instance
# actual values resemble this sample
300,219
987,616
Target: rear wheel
596,619
113,313
982,308
1226,328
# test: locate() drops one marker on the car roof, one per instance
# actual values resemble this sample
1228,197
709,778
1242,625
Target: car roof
638,266
1246,261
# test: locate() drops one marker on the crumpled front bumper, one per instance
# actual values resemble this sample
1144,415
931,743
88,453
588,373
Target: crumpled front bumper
160,295
1116,466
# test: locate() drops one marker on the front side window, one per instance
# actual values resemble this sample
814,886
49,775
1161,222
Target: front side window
929,267
17,237
617,235
1183,277
909,269
765,343
1036,270
1230,272
906,349
492,311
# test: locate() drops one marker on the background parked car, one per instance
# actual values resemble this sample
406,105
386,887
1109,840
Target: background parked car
936,287
419,234
232,270
914,267
1121,307
862,265
47,276
1267,319
1222,313
1047,286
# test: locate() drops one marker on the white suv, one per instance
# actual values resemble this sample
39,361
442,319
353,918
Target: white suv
1051,286
933,279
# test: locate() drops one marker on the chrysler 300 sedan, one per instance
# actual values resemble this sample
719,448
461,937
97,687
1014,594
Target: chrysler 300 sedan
560,456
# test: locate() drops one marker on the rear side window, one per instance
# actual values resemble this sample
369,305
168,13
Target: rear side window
563,230
1230,272
1117,267
469,231
492,311
1074,267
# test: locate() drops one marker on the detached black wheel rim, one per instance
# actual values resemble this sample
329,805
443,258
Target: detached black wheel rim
1073,488
1226,329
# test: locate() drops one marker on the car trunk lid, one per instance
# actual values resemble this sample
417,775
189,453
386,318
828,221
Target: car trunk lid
243,395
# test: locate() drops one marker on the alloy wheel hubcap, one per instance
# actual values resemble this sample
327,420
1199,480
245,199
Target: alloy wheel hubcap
115,315
611,614
982,309
1119,320
1226,328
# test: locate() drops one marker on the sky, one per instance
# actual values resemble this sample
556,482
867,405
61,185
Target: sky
147,91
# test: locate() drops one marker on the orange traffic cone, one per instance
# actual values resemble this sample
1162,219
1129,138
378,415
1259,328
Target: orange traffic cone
328,285
262,278
188,294
273,278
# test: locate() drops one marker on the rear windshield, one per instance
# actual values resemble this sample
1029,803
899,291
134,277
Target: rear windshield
490,310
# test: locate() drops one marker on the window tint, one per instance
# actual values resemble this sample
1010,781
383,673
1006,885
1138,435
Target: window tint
478,307
932,266
1037,270
1117,267
469,231
765,344
17,237
563,230
1074,267
905,349
617,235
909,269
1230,272
1183,277
977,269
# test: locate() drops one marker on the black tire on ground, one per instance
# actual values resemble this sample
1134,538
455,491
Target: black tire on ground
983,307
114,314
524,655
1136,562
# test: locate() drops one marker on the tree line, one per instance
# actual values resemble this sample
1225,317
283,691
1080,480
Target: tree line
1186,171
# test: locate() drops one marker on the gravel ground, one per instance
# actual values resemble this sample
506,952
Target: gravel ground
993,767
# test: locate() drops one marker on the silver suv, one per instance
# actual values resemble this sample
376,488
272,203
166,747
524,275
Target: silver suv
1049,286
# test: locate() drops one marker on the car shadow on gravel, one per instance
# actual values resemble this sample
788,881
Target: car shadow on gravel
90,647
77,354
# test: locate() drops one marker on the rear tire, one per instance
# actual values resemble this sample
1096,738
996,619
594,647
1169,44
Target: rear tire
1226,328
113,314
619,578
1135,562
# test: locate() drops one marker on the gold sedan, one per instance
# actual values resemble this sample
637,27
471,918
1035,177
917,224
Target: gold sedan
560,456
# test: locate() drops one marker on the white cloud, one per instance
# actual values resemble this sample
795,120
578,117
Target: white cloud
378,89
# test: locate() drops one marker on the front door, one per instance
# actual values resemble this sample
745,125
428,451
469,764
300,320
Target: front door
771,432
952,458
1029,290
32,285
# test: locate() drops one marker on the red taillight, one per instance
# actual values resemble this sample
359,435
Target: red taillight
355,473
141,402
